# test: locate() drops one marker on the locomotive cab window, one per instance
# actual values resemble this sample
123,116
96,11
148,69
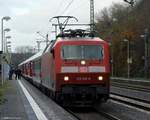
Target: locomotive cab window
82,52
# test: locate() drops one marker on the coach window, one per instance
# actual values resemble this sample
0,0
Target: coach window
37,65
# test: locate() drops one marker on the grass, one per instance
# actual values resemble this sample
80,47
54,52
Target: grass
3,89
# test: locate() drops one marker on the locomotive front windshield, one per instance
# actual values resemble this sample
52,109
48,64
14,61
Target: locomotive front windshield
82,52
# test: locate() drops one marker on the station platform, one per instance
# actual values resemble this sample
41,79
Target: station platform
13,107
23,101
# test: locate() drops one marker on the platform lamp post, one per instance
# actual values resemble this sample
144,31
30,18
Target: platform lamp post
114,21
9,51
6,18
128,57
8,48
7,42
8,45
5,39
146,37
6,55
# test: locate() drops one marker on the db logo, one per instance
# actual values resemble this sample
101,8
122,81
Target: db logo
83,69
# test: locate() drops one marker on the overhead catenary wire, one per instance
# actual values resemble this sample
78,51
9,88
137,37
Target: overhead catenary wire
59,6
75,11
67,7
76,8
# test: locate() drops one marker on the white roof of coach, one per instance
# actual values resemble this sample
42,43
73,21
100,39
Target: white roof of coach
37,55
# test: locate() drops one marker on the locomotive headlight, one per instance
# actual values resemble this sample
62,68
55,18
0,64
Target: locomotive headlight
100,78
66,78
83,62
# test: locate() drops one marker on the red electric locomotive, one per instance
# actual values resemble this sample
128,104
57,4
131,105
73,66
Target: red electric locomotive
74,69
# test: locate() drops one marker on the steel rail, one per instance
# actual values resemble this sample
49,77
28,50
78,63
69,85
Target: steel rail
130,86
108,115
99,113
134,98
135,102
72,113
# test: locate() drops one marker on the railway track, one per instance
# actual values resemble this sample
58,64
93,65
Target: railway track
73,114
92,115
108,115
131,86
102,115
89,115
135,102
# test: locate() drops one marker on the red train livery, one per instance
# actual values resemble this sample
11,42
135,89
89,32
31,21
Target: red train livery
74,71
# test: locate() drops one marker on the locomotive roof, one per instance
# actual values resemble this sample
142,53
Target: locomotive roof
37,55
76,39
81,39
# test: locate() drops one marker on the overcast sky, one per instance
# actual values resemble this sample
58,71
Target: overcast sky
30,16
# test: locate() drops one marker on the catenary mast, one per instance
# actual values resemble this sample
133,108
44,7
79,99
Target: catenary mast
92,14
